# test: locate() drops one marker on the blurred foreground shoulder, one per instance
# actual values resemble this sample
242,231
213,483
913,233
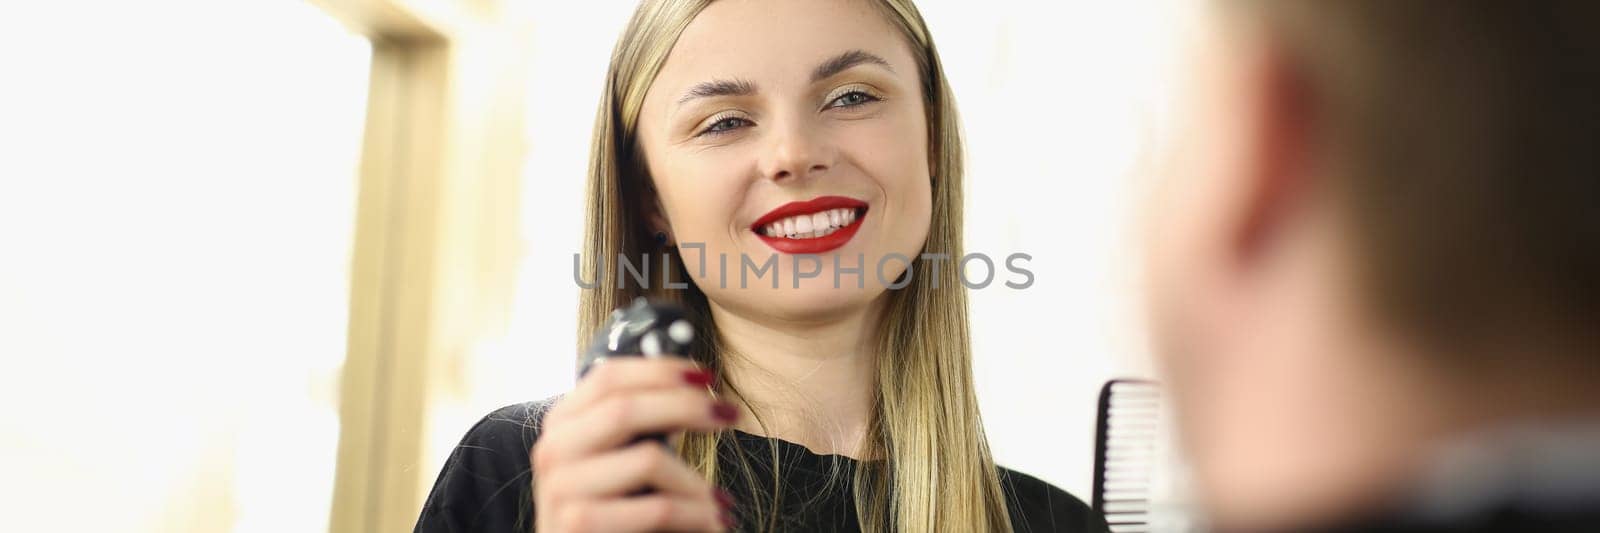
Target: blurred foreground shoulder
485,484
1039,507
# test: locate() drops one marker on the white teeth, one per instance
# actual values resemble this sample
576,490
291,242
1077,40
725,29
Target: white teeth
811,226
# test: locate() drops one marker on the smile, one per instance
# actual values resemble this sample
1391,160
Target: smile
812,226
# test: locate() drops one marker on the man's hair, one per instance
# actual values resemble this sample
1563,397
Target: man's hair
1467,139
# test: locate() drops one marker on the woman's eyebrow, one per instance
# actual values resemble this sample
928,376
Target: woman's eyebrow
844,61
827,69
714,88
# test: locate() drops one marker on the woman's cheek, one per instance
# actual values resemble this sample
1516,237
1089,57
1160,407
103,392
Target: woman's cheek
703,198
894,153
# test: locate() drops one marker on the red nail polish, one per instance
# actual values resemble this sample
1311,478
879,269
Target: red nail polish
723,499
724,411
697,377
727,520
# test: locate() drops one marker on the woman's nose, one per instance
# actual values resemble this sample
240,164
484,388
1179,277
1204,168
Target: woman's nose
798,151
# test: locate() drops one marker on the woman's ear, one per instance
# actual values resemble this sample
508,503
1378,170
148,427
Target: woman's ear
656,219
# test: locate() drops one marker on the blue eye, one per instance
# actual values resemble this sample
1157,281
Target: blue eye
852,98
725,125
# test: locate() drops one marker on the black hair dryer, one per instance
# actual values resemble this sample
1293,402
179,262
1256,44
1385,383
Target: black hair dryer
642,329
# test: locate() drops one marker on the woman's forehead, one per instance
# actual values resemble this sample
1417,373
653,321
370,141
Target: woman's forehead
776,44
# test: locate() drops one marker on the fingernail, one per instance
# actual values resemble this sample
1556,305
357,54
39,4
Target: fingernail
697,377
727,520
724,411
723,498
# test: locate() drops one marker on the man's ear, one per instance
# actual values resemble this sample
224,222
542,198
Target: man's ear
1278,166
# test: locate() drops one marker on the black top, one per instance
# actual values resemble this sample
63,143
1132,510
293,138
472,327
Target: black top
485,484
1494,519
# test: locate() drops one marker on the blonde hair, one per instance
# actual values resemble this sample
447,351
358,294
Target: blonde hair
940,475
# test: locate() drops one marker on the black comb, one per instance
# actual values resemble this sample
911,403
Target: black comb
1127,443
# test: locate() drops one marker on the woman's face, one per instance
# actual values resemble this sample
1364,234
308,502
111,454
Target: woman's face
794,131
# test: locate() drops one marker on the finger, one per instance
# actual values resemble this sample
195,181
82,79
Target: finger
618,420
643,513
622,374
626,471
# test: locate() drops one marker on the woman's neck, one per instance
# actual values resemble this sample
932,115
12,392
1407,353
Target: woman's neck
811,383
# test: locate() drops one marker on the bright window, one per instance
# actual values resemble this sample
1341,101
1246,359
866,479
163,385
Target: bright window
177,202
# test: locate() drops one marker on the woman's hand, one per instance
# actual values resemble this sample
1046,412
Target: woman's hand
587,477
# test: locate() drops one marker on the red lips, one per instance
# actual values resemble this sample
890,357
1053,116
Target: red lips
815,245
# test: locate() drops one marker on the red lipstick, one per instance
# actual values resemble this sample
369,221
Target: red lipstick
813,245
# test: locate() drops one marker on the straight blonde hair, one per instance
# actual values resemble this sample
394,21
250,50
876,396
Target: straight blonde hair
938,474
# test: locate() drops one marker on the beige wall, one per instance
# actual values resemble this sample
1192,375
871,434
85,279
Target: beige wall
435,245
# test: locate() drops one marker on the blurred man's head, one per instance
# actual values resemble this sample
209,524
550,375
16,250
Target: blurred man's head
1380,227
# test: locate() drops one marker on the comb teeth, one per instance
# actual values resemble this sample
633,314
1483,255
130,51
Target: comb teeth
1126,446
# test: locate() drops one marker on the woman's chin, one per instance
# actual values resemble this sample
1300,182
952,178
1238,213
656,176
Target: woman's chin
815,300
811,304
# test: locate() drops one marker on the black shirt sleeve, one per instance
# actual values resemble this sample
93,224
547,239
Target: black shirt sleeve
1039,507
486,483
